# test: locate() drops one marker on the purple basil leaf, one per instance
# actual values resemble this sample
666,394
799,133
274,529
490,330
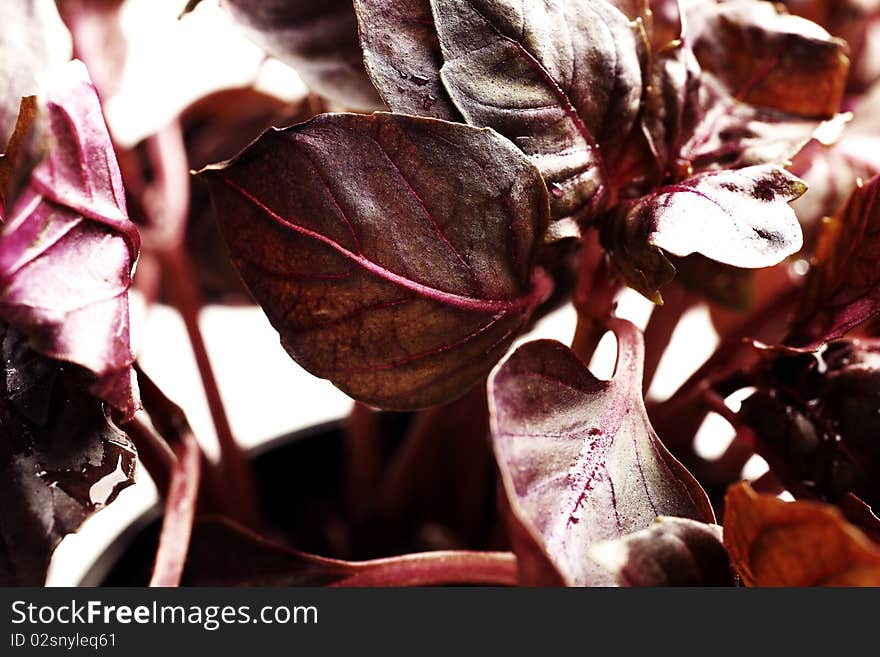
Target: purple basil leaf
392,253
843,288
579,460
61,459
854,21
670,552
402,56
740,218
671,104
30,30
561,79
67,248
767,58
728,133
319,38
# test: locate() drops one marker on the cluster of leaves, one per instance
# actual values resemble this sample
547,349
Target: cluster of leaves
498,159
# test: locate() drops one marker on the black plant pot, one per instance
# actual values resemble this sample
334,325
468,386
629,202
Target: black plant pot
297,475
300,483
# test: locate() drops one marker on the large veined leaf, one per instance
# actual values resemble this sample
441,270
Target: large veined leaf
740,218
403,58
71,217
319,38
61,458
579,460
562,79
392,253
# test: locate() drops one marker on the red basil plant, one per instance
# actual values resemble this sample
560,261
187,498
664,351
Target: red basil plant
459,169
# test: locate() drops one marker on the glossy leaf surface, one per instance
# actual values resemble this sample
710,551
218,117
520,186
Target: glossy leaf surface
61,458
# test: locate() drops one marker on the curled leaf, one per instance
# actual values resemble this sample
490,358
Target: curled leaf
776,543
319,38
670,552
392,253
403,58
843,287
61,459
71,217
561,79
770,59
740,218
579,460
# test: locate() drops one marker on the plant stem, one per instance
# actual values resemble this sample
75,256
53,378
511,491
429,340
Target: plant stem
442,568
180,508
661,325
234,468
156,455
594,296
446,448
363,465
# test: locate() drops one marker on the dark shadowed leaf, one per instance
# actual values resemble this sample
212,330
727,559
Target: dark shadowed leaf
843,286
71,218
740,218
670,552
816,417
392,253
61,458
776,543
402,55
729,287
769,59
319,38
28,39
579,460
561,79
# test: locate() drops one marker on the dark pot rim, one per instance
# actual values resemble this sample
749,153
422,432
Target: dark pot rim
104,563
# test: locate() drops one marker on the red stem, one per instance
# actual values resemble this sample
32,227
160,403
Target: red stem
662,324
442,568
180,509
594,296
235,471
362,454
155,454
